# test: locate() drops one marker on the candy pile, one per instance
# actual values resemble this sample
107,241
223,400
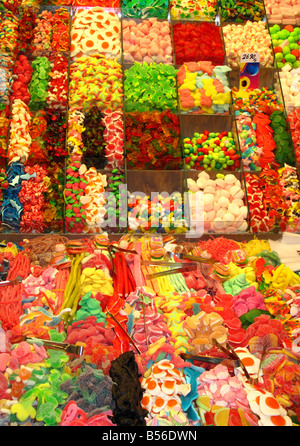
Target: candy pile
285,13
158,213
211,151
95,80
251,37
95,31
285,42
266,203
222,199
203,88
199,358
147,41
289,181
294,127
193,10
246,128
202,329
150,87
241,11
289,79
133,9
263,100
197,42
153,140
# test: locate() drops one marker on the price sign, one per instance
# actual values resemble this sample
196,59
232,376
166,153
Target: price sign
249,71
250,57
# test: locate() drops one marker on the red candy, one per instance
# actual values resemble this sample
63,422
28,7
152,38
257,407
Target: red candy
198,42
294,121
22,73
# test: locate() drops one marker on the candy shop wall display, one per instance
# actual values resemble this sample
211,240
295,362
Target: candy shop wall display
210,143
193,10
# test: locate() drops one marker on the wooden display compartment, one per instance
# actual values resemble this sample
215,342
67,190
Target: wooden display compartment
234,20
151,184
209,224
191,124
164,138
127,64
44,6
115,11
197,22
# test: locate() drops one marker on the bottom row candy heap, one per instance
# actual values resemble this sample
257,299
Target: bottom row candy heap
213,344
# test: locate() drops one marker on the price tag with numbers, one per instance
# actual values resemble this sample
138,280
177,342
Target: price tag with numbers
250,57
249,71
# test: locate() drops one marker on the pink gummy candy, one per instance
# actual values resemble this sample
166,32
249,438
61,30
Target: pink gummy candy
4,361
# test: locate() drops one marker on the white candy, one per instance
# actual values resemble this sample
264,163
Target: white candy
244,212
209,190
224,202
218,224
202,183
216,206
208,202
238,202
192,185
228,217
220,182
221,212
234,190
204,175
210,216
224,193
234,209
230,178
243,227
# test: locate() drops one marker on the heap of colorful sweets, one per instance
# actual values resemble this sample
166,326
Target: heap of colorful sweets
148,41
211,151
240,11
193,10
153,140
285,42
203,88
197,42
147,9
284,13
132,339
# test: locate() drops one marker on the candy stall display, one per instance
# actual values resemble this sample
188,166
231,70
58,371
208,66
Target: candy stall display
93,325
150,213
